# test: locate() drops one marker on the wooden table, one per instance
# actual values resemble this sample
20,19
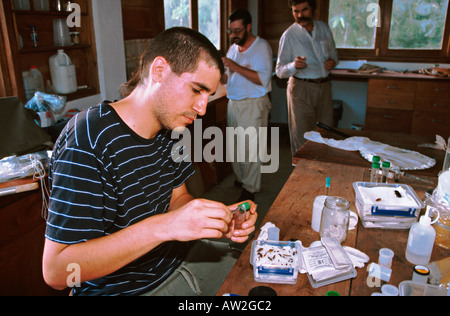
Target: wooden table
291,213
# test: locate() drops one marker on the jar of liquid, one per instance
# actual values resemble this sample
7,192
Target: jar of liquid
335,218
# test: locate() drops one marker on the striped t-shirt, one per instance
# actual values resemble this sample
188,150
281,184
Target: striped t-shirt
103,178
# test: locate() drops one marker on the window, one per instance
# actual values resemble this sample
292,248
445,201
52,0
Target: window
348,21
410,30
418,24
202,15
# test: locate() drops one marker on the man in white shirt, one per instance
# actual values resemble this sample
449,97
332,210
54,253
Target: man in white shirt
249,64
306,55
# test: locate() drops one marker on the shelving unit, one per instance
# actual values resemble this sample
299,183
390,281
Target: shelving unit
24,55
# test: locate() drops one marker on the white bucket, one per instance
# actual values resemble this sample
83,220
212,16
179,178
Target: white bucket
62,72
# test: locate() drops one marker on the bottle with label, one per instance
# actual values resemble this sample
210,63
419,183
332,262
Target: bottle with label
34,36
38,79
421,240
62,72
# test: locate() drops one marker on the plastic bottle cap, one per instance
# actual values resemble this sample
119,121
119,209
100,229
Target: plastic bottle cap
376,159
425,220
376,165
245,206
386,164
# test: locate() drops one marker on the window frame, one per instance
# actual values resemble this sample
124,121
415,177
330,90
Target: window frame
222,27
381,52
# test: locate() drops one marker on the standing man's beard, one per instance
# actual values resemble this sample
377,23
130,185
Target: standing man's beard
240,42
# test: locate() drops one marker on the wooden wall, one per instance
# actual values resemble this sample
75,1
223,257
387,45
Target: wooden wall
142,18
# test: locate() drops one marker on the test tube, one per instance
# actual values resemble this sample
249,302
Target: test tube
375,172
327,186
385,171
240,215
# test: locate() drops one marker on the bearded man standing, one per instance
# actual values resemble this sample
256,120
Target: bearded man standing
249,64
306,55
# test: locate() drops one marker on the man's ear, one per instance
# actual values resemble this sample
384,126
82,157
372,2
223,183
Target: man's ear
159,69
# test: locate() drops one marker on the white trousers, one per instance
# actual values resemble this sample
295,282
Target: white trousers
253,113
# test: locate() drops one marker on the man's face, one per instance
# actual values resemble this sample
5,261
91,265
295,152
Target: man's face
302,13
239,32
182,98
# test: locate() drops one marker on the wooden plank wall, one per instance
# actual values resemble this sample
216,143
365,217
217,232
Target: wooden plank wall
142,18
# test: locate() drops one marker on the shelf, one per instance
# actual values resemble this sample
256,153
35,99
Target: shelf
81,93
46,13
51,48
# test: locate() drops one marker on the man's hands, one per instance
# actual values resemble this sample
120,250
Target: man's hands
200,219
241,235
300,63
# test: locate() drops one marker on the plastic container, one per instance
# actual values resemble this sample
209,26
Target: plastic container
28,83
63,73
420,274
38,79
389,290
335,218
378,213
385,257
61,34
275,261
421,240
318,205
41,5
446,165
410,288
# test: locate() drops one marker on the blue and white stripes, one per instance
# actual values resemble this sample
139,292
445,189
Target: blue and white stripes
104,178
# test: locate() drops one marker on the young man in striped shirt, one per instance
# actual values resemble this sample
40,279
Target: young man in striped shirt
119,209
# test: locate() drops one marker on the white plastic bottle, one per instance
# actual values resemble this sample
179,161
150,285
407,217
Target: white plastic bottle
421,240
28,83
62,72
38,79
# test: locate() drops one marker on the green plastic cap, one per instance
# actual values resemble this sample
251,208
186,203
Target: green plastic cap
376,165
245,206
386,164
376,159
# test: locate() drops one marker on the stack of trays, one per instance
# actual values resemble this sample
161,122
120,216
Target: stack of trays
388,206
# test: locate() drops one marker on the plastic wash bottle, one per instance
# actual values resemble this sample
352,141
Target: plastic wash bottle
421,240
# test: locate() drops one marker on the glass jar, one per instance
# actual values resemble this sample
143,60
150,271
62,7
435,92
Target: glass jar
335,218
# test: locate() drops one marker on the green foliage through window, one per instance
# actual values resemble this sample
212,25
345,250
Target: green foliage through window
178,13
418,24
